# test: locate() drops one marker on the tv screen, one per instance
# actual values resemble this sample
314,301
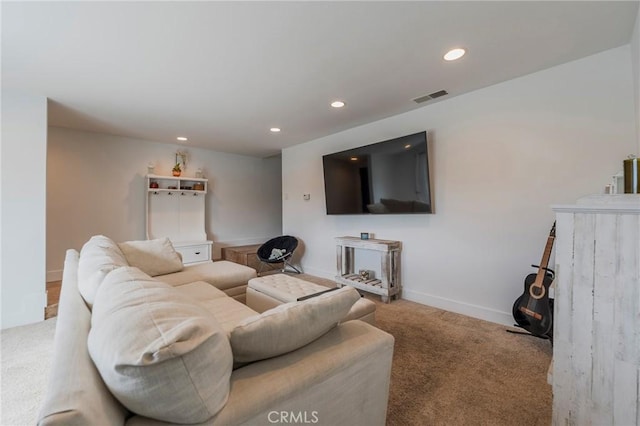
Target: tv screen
390,177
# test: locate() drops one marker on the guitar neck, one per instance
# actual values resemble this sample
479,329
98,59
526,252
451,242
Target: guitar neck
544,262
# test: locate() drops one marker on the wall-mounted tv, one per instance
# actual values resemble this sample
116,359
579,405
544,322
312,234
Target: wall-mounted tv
389,177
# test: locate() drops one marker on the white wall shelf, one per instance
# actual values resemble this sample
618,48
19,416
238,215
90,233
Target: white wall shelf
179,182
176,210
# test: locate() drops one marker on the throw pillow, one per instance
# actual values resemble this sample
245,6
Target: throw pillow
155,257
159,353
277,253
99,256
290,326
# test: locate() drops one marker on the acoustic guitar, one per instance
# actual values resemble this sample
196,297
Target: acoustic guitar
533,310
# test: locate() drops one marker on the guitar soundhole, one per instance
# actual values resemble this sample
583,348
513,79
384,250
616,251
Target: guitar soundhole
536,292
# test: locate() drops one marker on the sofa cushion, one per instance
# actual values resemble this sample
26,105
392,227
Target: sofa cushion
228,312
221,274
154,257
99,256
159,353
290,326
200,291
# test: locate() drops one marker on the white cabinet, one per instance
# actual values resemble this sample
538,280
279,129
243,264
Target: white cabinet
596,347
194,251
175,208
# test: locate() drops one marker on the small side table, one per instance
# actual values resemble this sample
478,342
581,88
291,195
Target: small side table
244,255
388,285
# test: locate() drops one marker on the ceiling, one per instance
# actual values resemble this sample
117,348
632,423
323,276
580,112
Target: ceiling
223,73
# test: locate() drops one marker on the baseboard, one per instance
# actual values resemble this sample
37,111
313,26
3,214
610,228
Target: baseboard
28,309
319,273
54,275
475,311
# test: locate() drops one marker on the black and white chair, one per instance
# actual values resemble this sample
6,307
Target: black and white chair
278,250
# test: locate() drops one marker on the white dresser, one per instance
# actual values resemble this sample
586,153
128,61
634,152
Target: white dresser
596,353
176,209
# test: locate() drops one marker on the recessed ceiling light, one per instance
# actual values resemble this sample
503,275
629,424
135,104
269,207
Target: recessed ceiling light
275,129
407,146
354,158
454,54
337,104
182,138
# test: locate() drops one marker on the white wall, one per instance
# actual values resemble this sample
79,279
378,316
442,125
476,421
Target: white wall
500,156
96,186
23,174
635,55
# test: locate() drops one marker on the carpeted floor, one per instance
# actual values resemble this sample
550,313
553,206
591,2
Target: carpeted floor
25,358
448,369
451,369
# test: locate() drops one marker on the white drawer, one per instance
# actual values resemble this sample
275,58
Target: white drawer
194,253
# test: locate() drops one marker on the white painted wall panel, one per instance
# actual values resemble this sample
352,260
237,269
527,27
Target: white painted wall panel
23,183
499,157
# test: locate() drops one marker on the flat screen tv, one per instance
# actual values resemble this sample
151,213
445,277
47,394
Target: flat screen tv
390,177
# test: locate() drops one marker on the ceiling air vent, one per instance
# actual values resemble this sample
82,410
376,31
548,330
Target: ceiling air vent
430,96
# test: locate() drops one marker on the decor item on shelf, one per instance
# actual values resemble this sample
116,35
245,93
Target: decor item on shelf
176,170
365,274
151,168
199,173
617,183
154,184
631,175
364,235
181,159
198,186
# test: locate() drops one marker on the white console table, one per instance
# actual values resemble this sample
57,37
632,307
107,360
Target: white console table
388,285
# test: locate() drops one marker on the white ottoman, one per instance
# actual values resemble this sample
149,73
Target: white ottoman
269,291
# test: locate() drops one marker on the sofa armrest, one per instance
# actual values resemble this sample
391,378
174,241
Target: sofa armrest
341,378
76,394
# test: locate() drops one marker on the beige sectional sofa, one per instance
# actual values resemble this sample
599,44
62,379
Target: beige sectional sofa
182,348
